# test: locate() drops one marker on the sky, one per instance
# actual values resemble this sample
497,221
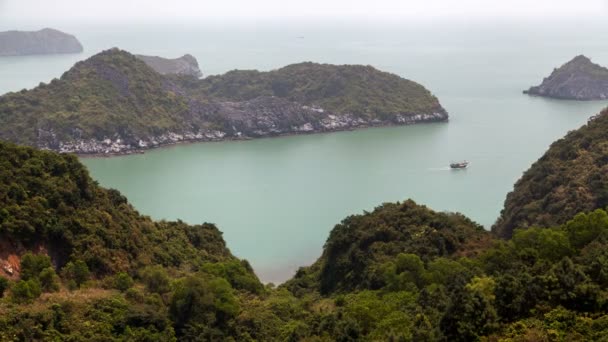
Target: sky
89,11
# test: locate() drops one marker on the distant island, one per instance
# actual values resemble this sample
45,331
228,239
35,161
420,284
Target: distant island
43,42
580,79
115,103
184,65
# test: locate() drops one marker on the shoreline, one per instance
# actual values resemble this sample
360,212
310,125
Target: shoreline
237,139
562,98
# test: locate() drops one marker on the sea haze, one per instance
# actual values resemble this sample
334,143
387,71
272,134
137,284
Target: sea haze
277,199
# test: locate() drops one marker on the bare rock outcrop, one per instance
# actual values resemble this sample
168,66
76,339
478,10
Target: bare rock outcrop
579,79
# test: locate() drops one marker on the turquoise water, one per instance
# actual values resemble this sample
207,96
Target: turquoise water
277,199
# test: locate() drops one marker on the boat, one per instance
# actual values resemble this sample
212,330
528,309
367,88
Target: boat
459,165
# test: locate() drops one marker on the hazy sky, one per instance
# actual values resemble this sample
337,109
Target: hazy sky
52,11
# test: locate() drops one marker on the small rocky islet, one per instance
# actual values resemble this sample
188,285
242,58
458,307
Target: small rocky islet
579,79
115,103
42,42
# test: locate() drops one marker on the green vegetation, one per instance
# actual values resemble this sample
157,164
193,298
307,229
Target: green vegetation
114,95
97,270
50,199
570,178
101,271
3,286
355,89
358,250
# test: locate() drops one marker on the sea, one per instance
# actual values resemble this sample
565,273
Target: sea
277,199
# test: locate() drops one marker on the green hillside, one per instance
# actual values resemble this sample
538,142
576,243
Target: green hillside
572,176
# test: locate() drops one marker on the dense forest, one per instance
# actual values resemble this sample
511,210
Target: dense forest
79,263
114,102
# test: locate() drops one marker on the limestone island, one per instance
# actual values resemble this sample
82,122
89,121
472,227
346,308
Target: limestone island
115,103
580,79
184,65
44,42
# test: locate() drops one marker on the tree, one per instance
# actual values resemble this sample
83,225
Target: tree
123,281
3,286
26,290
199,305
550,243
584,228
471,314
49,281
33,264
77,271
156,280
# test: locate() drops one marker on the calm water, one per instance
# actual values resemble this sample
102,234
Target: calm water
277,199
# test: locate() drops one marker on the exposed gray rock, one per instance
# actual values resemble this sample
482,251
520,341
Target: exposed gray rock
264,116
579,79
184,65
45,41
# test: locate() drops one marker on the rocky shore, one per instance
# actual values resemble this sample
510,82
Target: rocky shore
260,127
580,79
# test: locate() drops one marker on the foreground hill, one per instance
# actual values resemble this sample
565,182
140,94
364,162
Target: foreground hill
405,273
358,247
579,79
45,41
79,263
49,202
99,270
571,177
113,102
184,65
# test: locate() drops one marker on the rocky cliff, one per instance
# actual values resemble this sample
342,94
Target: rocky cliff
46,41
185,65
579,79
115,103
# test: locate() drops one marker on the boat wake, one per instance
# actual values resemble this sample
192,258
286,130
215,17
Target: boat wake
445,168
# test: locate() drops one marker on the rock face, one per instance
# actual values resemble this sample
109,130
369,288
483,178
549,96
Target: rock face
571,177
46,41
579,79
184,65
115,103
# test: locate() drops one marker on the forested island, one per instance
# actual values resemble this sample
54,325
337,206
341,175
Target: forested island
43,42
79,263
579,79
114,103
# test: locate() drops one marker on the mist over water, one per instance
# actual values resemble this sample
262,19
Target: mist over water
277,199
